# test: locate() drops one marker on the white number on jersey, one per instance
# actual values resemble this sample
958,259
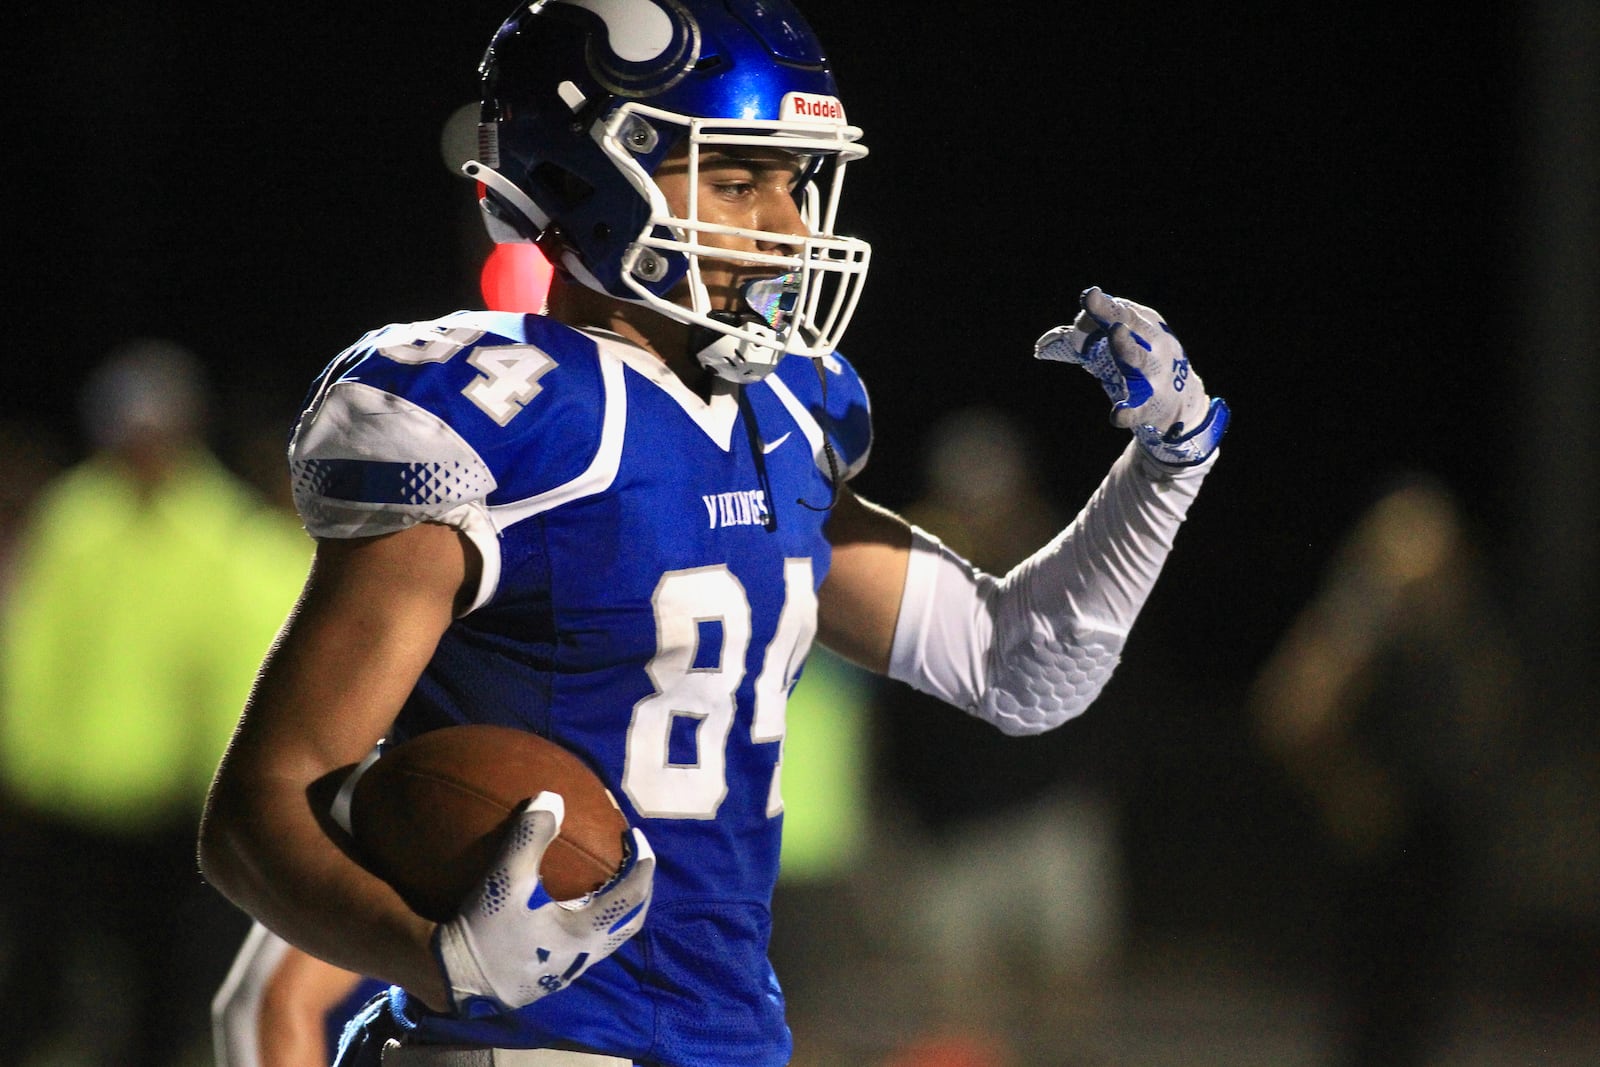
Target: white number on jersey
426,342
510,373
688,604
510,379
797,627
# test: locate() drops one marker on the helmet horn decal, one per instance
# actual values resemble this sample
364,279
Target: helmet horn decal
646,48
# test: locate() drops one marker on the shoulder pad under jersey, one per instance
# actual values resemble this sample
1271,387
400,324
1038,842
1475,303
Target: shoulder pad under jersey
423,421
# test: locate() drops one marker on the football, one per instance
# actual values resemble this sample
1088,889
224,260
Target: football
429,816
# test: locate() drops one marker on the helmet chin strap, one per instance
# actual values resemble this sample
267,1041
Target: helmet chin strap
735,359
768,302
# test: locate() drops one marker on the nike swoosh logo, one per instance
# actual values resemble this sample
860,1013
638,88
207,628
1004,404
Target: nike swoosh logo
768,448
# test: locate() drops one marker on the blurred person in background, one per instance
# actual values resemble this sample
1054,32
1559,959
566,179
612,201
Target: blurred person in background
144,593
1387,703
30,458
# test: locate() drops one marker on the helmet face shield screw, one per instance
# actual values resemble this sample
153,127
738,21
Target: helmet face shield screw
640,137
646,265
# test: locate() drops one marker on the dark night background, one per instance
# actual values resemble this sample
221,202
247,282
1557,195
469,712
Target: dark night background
1343,210
1325,206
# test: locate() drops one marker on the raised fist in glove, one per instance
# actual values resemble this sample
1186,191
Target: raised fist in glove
512,944
1142,367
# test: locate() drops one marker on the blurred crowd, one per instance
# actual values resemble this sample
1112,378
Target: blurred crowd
144,579
950,897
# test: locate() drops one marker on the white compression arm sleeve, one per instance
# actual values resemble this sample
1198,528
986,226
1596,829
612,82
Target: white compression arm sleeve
1031,650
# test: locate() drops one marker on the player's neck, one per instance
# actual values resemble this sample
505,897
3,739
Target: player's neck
663,338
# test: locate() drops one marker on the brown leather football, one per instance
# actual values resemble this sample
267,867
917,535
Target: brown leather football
429,816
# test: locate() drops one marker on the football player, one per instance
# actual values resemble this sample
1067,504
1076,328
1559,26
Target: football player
282,1008
623,523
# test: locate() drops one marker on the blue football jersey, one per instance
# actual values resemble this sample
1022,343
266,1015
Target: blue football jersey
651,561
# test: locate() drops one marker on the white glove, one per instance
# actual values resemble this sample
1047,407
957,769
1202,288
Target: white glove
512,943
1142,367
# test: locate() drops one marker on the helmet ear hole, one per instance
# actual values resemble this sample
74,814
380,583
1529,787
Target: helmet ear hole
566,189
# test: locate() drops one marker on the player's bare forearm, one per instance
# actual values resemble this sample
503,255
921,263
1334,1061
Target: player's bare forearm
371,616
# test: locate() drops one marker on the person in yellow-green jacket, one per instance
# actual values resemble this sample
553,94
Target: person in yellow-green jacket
148,582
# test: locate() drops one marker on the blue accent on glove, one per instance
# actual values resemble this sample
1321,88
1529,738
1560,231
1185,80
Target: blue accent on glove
1186,448
1138,387
1096,358
1154,390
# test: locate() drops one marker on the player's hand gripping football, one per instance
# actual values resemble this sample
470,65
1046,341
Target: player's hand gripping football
512,944
1142,367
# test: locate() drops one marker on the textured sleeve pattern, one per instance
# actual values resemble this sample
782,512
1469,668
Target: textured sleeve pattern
1031,650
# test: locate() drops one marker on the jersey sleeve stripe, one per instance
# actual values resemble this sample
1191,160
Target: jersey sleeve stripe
376,482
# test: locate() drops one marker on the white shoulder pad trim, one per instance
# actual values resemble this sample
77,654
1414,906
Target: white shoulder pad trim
802,418
356,423
353,421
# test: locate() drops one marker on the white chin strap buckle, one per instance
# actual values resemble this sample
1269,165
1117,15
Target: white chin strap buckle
739,360
747,359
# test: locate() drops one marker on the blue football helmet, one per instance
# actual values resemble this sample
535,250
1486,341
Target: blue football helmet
584,99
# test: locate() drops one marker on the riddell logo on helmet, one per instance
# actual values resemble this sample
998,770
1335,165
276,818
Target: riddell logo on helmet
807,106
